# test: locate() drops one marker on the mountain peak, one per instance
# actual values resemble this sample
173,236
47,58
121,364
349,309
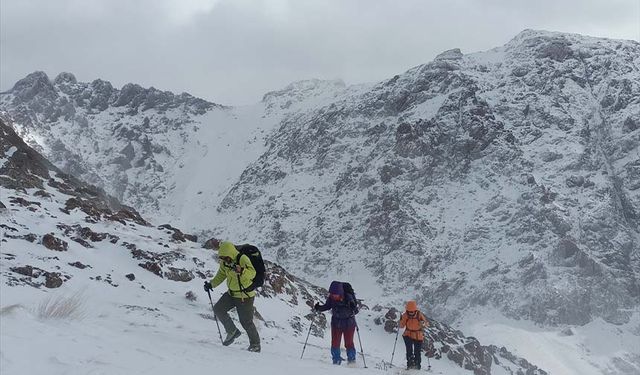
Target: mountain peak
65,78
36,76
451,54
34,84
529,37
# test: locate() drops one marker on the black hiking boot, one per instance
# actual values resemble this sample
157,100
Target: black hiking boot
231,337
254,348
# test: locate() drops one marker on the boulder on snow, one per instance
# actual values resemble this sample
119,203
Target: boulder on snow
24,270
179,274
152,267
211,243
79,265
53,280
178,235
51,242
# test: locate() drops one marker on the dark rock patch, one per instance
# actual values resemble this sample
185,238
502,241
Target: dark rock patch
53,280
549,156
156,261
179,274
191,296
6,227
79,265
27,271
27,237
96,210
42,193
152,267
51,242
211,243
177,235
23,202
631,124
575,181
85,233
82,242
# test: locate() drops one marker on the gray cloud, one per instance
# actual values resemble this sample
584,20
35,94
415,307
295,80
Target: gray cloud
233,51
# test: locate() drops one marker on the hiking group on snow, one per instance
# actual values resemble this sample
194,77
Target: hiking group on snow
243,268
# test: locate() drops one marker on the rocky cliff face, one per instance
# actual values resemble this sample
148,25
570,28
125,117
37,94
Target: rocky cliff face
56,230
508,178
53,225
125,140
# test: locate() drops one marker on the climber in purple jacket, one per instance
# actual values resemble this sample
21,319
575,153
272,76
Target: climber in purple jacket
343,308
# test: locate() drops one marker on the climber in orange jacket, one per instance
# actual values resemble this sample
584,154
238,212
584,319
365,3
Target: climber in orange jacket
414,322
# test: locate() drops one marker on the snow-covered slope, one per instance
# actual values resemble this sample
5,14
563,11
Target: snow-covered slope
165,154
508,178
89,286
504,181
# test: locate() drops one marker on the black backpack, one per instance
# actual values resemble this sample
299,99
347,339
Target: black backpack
255,257
348,291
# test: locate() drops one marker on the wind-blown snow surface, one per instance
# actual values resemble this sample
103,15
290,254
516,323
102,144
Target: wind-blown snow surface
505,180
173,339
595,348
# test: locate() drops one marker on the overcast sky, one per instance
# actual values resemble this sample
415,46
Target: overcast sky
234,51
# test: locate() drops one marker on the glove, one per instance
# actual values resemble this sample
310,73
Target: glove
238,270
207,286
316,307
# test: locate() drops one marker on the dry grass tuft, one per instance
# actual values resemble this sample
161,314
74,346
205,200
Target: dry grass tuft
62,307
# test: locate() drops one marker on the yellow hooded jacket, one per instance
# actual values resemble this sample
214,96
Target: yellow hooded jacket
225,272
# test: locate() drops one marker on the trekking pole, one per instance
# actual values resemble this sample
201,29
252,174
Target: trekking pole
307,339
426,354
361,350
215,317
394,347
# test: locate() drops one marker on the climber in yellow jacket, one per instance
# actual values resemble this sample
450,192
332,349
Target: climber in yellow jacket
238,271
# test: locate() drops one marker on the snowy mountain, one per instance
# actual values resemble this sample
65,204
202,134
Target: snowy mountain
142,145
116,294
508,178
504,182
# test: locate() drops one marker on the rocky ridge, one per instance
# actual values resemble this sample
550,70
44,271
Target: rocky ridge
506,178
48,241
113,138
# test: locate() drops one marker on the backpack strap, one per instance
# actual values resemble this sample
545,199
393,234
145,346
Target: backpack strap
251,287
243,290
